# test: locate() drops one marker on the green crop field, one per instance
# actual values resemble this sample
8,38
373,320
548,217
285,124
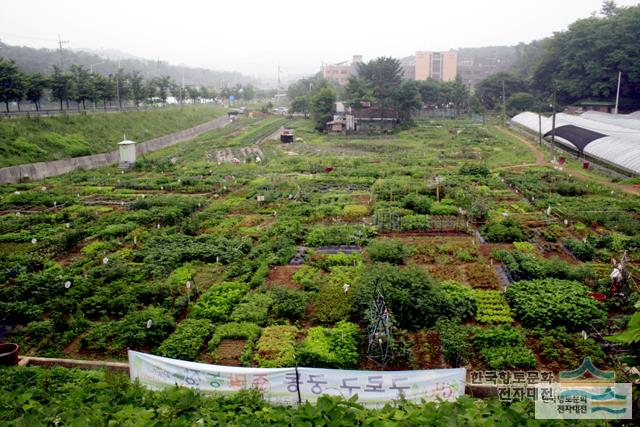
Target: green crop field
27,140
443,220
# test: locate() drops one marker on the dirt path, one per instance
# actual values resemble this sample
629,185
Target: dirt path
579,174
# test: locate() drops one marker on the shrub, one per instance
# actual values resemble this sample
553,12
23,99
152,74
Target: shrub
133,330
187,340
552,302
474,169
242,330
412,299
276,347
454,341
388,250
418,204
330,348
443,209
288,303
323,235
218,301
332,303
584,251
506,231
415,222
310,278
254,307
355,211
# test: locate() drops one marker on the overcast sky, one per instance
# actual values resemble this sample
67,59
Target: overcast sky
252,36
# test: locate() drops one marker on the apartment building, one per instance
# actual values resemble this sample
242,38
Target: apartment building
440,66
341,71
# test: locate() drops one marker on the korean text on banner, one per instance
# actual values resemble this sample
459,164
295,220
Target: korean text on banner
286,386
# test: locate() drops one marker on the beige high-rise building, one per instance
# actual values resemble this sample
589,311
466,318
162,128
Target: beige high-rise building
440,66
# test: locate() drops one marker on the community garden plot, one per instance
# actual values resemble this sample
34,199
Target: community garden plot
190,258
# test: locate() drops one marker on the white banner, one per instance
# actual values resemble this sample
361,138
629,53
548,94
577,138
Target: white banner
288,385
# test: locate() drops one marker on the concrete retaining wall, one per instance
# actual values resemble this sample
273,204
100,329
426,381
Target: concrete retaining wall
41,170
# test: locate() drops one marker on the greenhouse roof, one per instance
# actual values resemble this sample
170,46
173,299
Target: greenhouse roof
613,139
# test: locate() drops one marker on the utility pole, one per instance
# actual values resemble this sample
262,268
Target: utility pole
278,76
60,43
553,126
504,104
539,127
618,91
182,88
118,87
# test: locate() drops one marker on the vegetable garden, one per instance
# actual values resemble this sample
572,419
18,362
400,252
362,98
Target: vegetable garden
188,257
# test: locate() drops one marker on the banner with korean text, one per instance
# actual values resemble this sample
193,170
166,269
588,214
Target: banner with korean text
289,386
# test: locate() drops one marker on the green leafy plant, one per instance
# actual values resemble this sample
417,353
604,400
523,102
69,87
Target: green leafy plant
187,340
553,302
330,348
388,250
276,347
216,304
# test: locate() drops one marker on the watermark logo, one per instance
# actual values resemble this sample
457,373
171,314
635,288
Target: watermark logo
585,393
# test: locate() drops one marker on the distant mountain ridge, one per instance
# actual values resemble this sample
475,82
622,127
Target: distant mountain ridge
106,61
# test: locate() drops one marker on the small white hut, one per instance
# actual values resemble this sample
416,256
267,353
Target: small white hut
127,153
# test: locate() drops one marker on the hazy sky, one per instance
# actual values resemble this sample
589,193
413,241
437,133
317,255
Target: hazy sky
251,36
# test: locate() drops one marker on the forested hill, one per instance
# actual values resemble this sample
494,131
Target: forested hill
32,60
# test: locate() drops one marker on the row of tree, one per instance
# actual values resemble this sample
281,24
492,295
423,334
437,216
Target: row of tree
581,63
81,85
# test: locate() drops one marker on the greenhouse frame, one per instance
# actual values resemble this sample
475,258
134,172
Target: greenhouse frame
610,139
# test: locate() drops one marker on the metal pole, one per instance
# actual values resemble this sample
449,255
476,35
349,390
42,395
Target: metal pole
553,127
504,104
618,92
539,128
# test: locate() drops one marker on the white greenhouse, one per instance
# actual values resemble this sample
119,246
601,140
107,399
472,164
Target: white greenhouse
613,140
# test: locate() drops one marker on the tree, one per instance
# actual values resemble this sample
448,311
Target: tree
300,105
12,83
384,75
193,93
322,107
248,92
358,91
489,90
205,93
36,84
521,101
163,84
151,88
60,86
457,93
81,85
432,92
104,89
584,61
123,87
408,99
138,88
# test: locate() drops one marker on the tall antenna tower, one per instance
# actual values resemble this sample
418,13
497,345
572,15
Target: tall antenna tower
60,43
279,76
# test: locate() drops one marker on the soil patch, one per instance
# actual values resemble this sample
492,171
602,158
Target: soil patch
280,275
229,351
